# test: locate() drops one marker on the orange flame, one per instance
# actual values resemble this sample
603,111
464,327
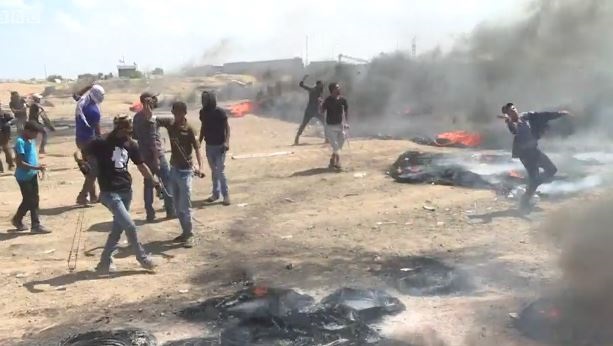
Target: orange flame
260,291
459,138
239,110
515,174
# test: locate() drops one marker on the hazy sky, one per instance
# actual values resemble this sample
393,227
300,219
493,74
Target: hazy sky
79,36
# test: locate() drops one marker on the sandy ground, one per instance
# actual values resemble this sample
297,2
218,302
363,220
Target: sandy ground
334,228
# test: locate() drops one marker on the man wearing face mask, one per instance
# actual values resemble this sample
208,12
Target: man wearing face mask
112,155
215,131
87,118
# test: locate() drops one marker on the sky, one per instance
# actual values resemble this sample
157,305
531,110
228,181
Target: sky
69,37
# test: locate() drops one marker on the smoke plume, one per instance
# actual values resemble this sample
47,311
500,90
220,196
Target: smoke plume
585,238
556,56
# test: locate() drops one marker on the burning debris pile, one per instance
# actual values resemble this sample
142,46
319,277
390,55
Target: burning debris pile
415,167
498,172
583,313
566,320
271,316
453,139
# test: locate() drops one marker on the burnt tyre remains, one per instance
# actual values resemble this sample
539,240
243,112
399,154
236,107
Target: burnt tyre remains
118,337
424,276
252,302
369,304
273,316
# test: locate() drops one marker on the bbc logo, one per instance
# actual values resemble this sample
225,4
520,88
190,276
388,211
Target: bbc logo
19,17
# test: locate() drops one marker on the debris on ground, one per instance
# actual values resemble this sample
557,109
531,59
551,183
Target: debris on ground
424,276
118,337
454,139
428,207
369,304
275,316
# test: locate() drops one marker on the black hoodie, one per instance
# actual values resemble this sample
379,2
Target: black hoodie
214,121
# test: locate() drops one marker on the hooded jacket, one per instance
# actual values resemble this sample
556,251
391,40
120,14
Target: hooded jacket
214,120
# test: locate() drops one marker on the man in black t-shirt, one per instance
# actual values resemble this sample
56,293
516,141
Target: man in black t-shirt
335,110
18,107
39,115
215,131
112,155
312,108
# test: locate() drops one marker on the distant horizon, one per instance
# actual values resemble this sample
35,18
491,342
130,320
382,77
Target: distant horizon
70,37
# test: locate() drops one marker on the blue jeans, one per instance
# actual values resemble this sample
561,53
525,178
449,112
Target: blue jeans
181,186
119,204
164,175
216,155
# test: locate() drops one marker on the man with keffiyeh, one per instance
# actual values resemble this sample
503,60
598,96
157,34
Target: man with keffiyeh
87,117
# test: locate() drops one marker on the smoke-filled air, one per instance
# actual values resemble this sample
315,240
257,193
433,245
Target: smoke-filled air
306,173
555,56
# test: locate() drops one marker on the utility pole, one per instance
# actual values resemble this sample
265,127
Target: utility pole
414,47
45,68
306,51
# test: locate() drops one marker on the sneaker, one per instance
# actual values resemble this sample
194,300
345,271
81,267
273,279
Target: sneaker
211,199
11,167
82,200
226,201
189,242
147,263
171,215
150,218
40,229
19,226
105,269
180,239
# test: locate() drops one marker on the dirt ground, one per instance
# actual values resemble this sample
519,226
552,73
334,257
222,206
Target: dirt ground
335,229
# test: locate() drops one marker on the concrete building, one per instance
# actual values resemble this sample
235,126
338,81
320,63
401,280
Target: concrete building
126,71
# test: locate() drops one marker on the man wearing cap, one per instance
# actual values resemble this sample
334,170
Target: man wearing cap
39,115
87,117
112,155
146,132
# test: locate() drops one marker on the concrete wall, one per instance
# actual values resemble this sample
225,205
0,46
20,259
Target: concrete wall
273,68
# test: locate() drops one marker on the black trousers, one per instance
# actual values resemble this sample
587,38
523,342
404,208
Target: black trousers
533,160
30,200
308,115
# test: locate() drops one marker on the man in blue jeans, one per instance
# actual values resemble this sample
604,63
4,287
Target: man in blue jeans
182,144
146,132
215,131
112,155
